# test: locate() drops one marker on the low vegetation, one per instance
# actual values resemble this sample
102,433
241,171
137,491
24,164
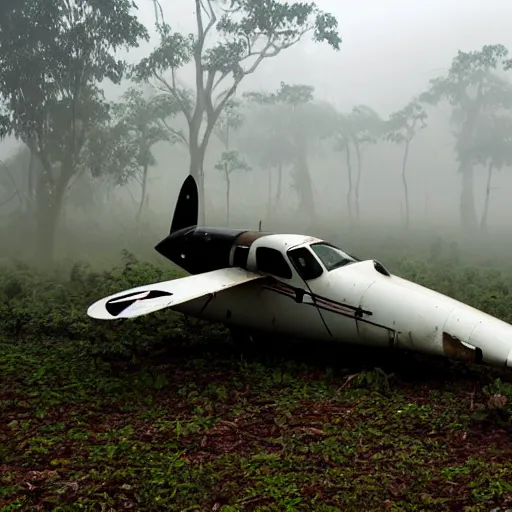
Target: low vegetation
165,413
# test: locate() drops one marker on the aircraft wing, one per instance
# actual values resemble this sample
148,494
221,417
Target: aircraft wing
166,294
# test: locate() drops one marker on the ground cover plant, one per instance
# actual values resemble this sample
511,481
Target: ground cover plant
166,413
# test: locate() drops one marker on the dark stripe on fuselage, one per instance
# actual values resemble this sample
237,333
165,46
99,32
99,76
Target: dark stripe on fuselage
324,303
288,293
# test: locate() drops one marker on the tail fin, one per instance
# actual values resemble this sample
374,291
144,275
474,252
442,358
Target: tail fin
187,207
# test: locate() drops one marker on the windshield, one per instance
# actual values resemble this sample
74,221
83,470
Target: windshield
330,256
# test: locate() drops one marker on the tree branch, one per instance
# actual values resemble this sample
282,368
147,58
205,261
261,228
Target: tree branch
261,55
265,53
172,89
221,78
208,93
174,132
158,10
198,53
17,190
214,113
76,177
211,15
131,195
231,9
7,201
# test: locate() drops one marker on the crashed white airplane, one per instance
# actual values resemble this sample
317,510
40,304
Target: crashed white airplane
303,287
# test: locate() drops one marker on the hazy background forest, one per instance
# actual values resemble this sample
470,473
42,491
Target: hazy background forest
403,123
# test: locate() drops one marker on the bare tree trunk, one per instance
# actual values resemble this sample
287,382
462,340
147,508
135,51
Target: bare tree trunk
49,202
483,222
304,184
279,183
468,216
349,192
269,200
143,194
196,171
404,181
467,198
46,234
228,187
196,153
30,184
358,179
198,149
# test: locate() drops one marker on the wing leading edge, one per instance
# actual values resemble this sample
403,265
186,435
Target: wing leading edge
166,294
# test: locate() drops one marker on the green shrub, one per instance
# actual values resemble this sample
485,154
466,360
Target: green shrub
50,305
152,414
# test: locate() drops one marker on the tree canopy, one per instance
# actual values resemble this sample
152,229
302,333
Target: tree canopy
473,86
401,128
53,56
248,32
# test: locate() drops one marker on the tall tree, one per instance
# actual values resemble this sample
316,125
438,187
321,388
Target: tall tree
267,142
230,162
299,98
230,119
53,55
401,128
144,122
473,88
13,180
248,32
343,141
364,126
305,122
492,149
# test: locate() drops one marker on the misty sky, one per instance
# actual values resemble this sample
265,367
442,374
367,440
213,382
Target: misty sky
389,52
390,48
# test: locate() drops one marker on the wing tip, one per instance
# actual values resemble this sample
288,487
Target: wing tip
98,311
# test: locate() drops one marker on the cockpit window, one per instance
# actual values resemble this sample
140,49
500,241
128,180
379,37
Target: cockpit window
272,262
306,264
331,256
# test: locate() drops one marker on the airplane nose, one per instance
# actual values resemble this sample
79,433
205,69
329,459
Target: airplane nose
175,246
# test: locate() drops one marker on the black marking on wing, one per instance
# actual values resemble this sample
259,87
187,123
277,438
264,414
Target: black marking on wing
115,308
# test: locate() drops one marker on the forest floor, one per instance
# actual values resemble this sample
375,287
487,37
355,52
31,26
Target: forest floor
194,423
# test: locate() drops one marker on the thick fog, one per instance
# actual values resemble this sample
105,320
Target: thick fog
389,52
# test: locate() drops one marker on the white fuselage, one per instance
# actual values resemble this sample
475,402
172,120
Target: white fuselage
356,304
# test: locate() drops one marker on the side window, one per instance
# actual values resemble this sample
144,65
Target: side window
240,256
306,264
271,261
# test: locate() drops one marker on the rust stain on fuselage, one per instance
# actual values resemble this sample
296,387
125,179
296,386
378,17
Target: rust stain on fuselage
454,348
248,237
